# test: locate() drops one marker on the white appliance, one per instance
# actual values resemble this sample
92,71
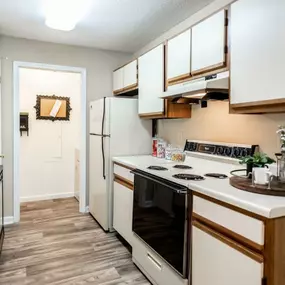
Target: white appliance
115,129
200,87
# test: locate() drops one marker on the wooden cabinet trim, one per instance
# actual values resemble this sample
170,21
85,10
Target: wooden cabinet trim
275,251
242,249
123,181
118,91
229,206
126,89
125,166
171,81
152,115
209,68
230,234
258,107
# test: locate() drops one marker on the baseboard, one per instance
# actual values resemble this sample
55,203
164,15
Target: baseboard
46,197
8,220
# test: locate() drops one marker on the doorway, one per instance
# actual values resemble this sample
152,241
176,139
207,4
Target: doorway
47,157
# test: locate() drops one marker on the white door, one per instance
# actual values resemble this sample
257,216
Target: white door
257,50
151,82
178,56
208,44
130,74
118,80
214,262
98,180
123,211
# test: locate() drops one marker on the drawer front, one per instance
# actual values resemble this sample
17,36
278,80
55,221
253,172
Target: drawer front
160,272
124,173
248,227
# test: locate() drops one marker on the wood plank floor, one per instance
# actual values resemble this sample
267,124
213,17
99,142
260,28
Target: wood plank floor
55,244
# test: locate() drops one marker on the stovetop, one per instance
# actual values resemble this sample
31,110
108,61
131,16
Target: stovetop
157,168
186,176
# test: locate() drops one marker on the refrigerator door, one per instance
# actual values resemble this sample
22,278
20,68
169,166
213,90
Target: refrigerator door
99,117
98,184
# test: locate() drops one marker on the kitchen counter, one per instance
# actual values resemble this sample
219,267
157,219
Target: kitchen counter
264,205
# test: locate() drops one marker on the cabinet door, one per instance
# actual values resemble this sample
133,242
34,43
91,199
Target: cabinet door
151,82
130,75
123,211
257,51
178,57
208,44
118,80
216,262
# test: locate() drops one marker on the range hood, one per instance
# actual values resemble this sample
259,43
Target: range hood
213,87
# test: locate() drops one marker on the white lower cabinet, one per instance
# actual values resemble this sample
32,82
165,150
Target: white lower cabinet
153,266
216,262
123,211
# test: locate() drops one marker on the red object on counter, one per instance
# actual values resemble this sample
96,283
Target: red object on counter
154,147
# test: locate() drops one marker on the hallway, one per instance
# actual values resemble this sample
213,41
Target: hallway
54,244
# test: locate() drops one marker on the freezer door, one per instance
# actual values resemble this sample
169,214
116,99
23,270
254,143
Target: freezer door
100,109
98,185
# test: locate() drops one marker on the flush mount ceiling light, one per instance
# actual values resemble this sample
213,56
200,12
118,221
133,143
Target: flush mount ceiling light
65,14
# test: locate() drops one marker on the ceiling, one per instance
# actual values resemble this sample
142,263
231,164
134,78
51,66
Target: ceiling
121,25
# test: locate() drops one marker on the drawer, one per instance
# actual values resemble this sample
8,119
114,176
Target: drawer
243,225
158,271
124,173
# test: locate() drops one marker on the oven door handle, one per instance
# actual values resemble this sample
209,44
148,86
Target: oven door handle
183,190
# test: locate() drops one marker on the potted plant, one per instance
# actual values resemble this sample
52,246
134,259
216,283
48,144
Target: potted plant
257,160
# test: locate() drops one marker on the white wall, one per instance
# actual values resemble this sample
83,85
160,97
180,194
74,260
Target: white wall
47,154
98,63
215,123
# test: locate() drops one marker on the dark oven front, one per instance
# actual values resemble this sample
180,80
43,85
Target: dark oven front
160,218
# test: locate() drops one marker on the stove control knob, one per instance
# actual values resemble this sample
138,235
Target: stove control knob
220,150
236,152
228,151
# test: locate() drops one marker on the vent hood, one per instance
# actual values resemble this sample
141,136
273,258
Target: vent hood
213,87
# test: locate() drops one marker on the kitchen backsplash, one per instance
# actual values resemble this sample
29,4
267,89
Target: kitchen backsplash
216,124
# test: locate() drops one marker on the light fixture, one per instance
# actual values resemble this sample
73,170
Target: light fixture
65,14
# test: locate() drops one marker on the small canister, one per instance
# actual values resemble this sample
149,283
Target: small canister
161,145
168,152
154,147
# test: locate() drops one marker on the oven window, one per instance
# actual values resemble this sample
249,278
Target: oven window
159,215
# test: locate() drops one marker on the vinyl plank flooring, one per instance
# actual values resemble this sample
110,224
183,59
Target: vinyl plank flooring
55,244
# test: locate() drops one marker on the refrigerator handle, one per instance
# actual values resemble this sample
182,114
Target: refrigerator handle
102,137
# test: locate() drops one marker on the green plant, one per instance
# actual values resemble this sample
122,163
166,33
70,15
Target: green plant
257,160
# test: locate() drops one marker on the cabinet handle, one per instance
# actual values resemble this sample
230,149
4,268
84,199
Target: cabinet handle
154,261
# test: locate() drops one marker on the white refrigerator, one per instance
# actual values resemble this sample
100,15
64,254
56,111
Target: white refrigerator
115,130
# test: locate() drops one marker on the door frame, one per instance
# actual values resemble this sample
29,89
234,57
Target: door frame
16,131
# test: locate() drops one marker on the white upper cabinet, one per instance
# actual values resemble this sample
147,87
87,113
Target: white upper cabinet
118,80
215,261
130,75
208,44
179,56
125,78
151,82
257,52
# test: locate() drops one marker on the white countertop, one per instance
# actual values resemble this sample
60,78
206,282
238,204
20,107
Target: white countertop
264,205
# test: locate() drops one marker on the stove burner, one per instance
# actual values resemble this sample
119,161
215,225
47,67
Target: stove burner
154,167
182,166
216,175
188,177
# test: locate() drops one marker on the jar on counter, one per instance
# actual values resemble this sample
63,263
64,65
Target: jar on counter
168,152
178,155
161,146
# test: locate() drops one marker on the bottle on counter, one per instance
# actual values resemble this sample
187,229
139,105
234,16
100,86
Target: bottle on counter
168,152
154,146
161,146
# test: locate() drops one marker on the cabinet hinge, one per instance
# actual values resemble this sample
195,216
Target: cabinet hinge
226,49
226,22
264,281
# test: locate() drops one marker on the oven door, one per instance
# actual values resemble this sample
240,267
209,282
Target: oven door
160,214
